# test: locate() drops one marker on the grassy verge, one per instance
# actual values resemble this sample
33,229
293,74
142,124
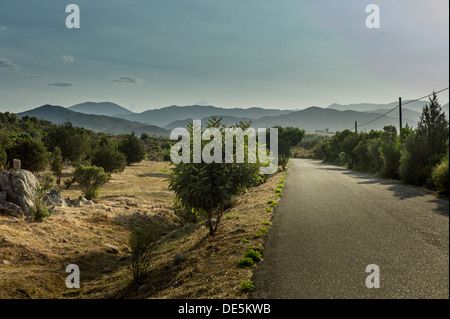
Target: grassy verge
185,263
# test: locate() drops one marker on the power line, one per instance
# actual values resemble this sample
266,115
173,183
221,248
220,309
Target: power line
411,101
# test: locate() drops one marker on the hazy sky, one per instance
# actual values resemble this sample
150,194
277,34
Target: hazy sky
288,54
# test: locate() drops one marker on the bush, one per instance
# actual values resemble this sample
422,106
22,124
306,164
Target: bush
3,156
142,242
40,210
56,164
90,179
107,156
32,153
247,286
440,176
246,262
132,147
210,188
255,255
72,141
414,168
390,152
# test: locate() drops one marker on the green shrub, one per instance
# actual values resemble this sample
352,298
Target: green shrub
255,255
40,210
56,164
278,194
440,176
261,233
132,147
31,152
90,179
107,156
211,188
230,216
142,242
247,286
246,262
268,209
277,190
245,240
257,248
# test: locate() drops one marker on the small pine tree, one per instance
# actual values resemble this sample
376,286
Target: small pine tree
132,147
434,126
56,164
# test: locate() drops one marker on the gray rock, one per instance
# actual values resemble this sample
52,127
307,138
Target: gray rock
55,198
88,202
7,262
10,209
20,186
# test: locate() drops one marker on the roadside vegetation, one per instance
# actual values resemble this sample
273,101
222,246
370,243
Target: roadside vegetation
417,157
151,229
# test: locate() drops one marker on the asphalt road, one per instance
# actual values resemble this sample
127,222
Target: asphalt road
332,223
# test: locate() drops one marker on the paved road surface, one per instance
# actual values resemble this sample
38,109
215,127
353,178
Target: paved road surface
332,223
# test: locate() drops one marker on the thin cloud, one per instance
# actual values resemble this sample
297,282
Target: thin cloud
68,59
61,84
37,76
127,79
2,28
6,64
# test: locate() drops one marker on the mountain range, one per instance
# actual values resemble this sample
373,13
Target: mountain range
112,118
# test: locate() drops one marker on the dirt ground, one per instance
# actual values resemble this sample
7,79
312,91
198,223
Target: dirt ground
34,255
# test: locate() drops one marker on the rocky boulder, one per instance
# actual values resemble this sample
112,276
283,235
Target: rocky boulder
18,186
55,198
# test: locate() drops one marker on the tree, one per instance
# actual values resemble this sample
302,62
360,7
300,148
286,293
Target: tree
56,164
390,152
72,141
131,146
426,147
440,176
413,160
207,189
90,179
106,155
32,153
434,126
288,137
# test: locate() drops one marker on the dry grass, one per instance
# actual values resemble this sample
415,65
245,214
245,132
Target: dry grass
34,255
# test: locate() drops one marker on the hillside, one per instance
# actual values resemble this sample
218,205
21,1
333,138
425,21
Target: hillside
100,108
316,118
228,120
167,115
96,123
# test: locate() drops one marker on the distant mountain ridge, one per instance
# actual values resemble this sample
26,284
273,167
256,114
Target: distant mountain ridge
96,123
168,118
100,108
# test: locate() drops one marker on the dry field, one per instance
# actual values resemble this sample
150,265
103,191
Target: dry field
34,255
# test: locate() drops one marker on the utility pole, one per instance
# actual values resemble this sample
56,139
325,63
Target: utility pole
356,126
400,113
